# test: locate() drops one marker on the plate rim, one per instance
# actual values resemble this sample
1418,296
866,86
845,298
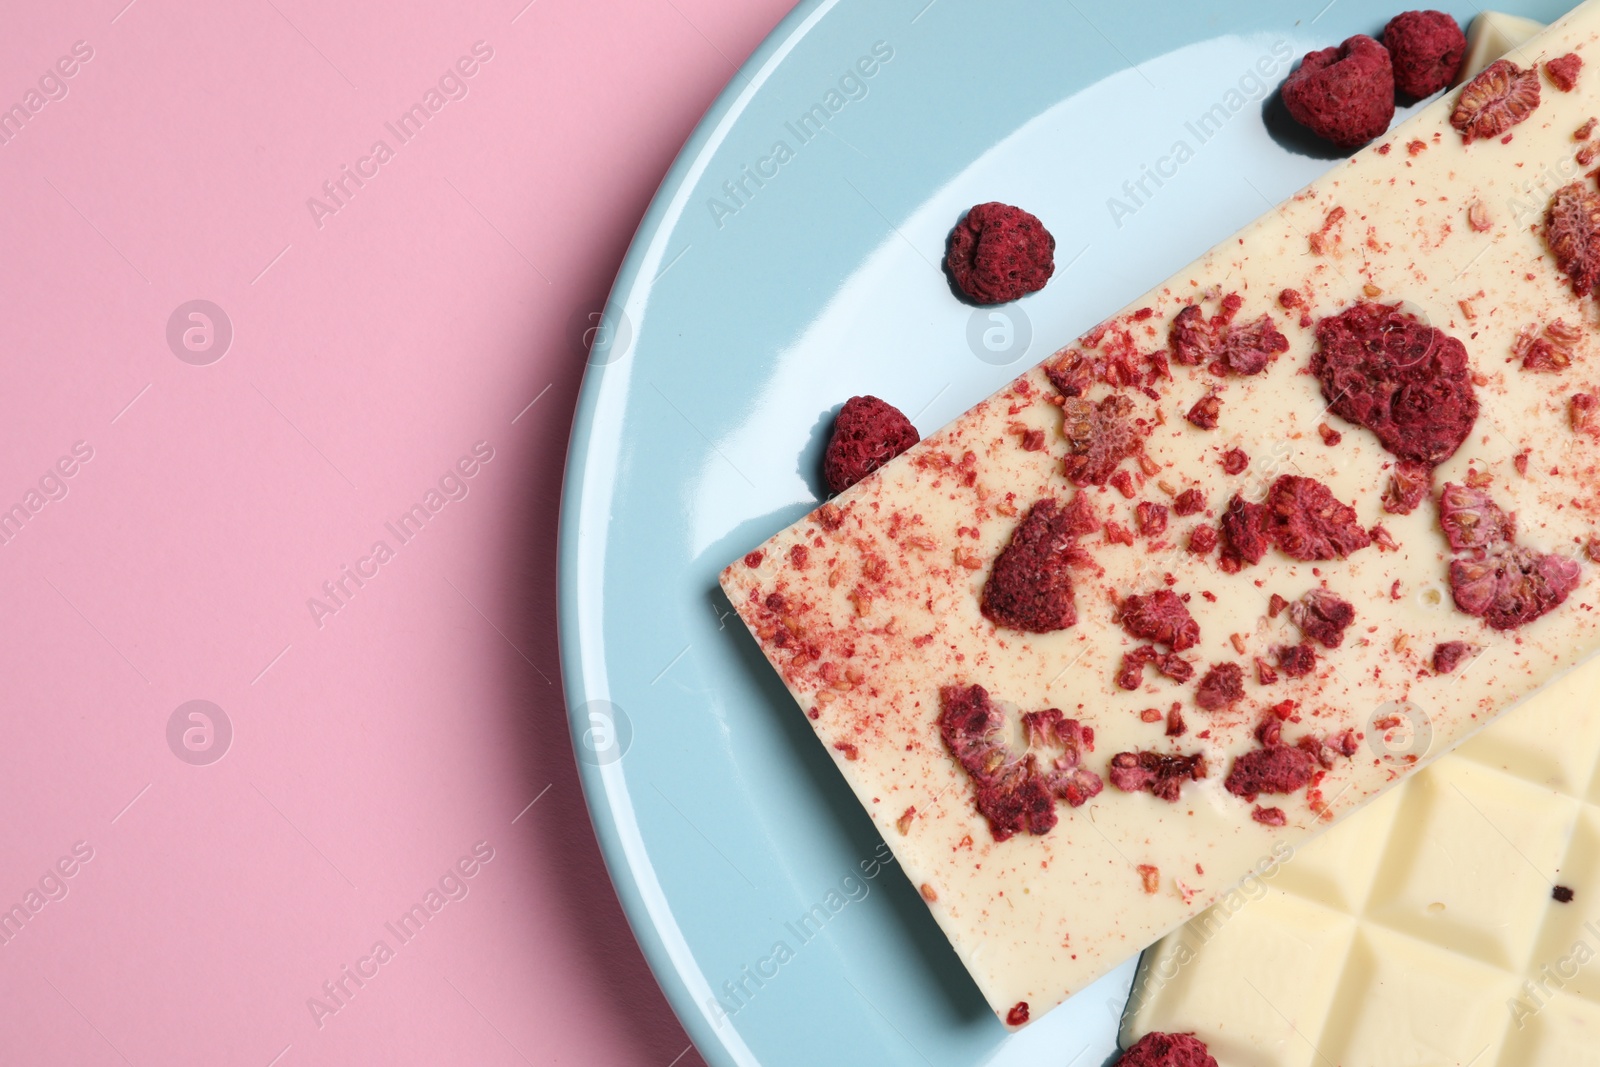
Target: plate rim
572,553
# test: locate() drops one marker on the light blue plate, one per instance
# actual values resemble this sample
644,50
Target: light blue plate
765,286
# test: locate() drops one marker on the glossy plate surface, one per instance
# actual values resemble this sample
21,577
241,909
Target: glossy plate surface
790,260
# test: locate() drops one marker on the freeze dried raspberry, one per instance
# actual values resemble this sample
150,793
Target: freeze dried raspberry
1202,540
1222,687
1583,413
1274,768
1408,484
1563,71
1235,460
1296,661
1030,588
1501,96
1572,231
1101,436
1160,616
1205,411
999,253
1009,792
1167,1050
1189,502
1447,655
1243,349
1270,816
1512,586
1322,616
1130,673
1173,666
1472,520
1307,522
1426,48
867,433
1155,773
1018,1015
1062,772
1344,94
1244,530
1407,382
1151,518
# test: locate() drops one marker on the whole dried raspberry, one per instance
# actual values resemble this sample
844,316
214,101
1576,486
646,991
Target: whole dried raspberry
867,433
1502,95
1563,71
1100,436
1222,687
1323,616
1155,773
1307,522
1407,382
1156,1049
1572,231
1030,588
999,253
1426,47
1512,586
1344,94
1160,616
1472,520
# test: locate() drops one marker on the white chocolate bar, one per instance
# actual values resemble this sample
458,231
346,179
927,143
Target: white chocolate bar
871,604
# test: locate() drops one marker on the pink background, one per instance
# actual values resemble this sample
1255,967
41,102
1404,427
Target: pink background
371,752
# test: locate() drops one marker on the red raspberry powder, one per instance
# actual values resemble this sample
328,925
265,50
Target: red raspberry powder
867,433
999,253
1344,94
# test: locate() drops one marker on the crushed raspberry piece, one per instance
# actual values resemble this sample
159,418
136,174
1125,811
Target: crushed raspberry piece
1472,520
1167,1050
1155,773
1189,502
1478,221
1572,232
1273,768
1151,518
1130,674
1447,655
1266,674
1344,94
1030,588
1101,436
1512,586
1426,48
1300,515
1329,435
1018,1015
1563,71
1244,529
1015,794
1322,616
867,433
1409,482
999,253
1405,381
1275,606
1202,540
1583,412
1246,348
753,559
1501,96
1205,412
1160,616
1176,727
1270,816
799,556
1222,687
1235,460
1296,661
1173,666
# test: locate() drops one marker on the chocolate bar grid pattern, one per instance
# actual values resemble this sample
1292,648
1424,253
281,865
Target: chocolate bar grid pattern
1403,936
